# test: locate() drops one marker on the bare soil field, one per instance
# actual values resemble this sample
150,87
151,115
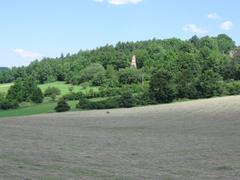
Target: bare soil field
189,140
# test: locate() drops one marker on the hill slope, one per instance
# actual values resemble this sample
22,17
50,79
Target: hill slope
190,140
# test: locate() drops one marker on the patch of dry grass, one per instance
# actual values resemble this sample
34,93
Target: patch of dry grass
189,140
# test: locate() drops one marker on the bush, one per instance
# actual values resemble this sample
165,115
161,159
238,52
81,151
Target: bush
72,96
37,96
52,92
162,87
89,72
99,79
25,90
62,106
210,84
143,98
130,76
16,91
126,99
109,92
232,88
76,96
8,104
83,103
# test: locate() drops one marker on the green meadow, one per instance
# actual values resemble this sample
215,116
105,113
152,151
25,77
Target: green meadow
64,88
4,87
46,107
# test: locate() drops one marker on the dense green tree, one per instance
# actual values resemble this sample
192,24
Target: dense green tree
37,95
82,103
130,76
210,84
232,88
111,77
225,43
16,92
89,72
25,90
99,78
162,86
187,76
62,106
6,104
195,41
126,99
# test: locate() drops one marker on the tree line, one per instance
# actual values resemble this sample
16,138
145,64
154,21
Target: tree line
168,70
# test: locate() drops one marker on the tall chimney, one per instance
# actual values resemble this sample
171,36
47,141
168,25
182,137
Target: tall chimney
134,62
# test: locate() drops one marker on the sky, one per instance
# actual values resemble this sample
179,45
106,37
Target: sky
46,28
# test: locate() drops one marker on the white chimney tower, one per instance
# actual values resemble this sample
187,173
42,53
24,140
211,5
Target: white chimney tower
134,62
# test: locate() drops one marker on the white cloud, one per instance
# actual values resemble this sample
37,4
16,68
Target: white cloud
119,2
193,28
27,54
213,16
227,25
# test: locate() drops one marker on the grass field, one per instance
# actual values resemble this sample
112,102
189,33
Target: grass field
32,109
4,87
60,85
190,140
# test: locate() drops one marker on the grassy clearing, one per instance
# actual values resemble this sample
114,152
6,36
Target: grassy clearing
46,107
60,85
34,109
4,87
27,109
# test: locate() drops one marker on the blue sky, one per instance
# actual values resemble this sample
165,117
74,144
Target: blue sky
46,28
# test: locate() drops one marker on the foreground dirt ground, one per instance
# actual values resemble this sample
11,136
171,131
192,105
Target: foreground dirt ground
189,140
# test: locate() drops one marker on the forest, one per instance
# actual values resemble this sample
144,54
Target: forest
167,70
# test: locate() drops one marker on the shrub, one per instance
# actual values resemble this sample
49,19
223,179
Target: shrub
83,103
109,92
25,90
76,96
16,91
210,84
8,104
89,72
232,88
99,79
162,87
130,76
52,92
143,98
62,106
37,96
126,99
72,96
